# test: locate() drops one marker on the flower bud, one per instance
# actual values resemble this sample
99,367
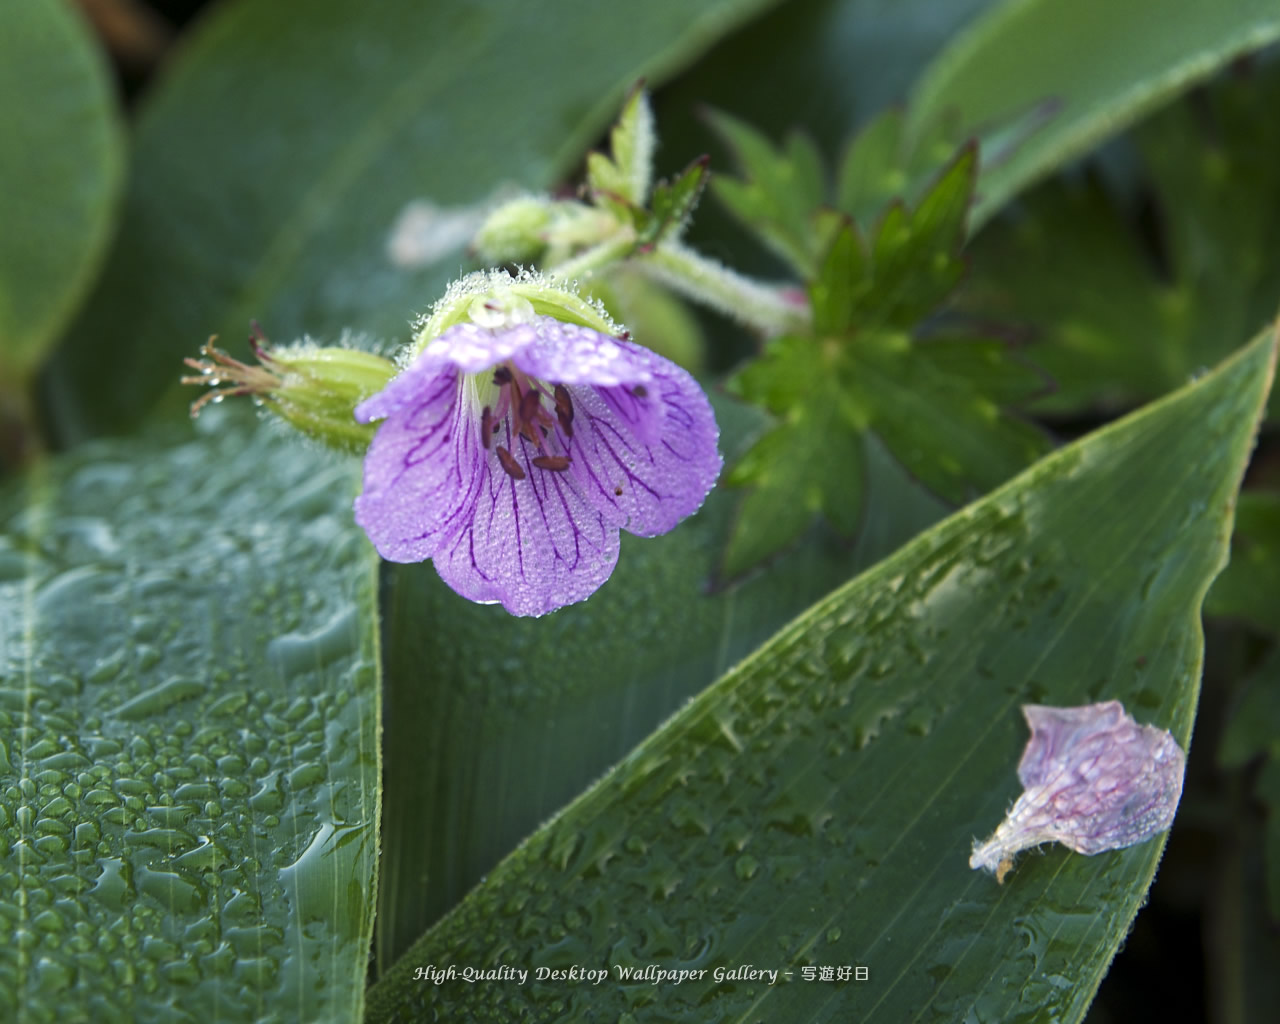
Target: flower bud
313,389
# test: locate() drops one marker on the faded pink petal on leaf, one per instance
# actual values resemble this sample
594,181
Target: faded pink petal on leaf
1094,780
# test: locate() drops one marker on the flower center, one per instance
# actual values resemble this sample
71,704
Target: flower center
521,400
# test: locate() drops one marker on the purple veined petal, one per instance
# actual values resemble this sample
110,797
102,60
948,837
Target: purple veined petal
414,481
645,456
639,454
1094,780
473,348
532,544
570,354
1055,731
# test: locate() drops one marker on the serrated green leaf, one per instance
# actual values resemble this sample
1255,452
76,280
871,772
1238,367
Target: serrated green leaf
949,436
841,284
811,464
779,194
916,253
188,734
994,368
1249,588
61,171
878,166
1099,65
815,806
272,170
783,376
674,202
496,723
631,144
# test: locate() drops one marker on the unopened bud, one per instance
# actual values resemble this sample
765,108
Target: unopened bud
313,389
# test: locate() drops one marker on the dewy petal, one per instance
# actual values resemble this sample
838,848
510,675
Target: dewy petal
1094,780
532,544
413,481
642,456
648,462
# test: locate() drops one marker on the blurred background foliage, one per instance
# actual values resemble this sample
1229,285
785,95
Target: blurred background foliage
1100,279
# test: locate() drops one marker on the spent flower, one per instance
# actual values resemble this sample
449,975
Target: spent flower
1093,779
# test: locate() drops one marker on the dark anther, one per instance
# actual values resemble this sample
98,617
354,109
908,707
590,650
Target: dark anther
566,422
557,463
487,426
564,409
501,376
563,401
529,405
509,464
640,391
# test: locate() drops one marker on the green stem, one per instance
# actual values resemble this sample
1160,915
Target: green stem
598,257
705,280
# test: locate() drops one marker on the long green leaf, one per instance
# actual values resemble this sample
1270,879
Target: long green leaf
188,735
1057,78
276,164
61,172
816,806
494,723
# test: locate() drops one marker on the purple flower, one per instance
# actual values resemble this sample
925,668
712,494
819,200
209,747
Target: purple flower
512,456
1093,779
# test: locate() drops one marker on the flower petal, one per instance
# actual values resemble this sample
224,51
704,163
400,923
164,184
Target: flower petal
413,486
646,457
571,354
532,544
1094,780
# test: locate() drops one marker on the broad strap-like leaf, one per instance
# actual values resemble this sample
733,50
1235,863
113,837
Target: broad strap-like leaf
284,159
493,723
1061,77
189,768
61,172
1116,324
816,806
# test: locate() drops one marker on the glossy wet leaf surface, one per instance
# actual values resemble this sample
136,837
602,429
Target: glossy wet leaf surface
816,805
1058,78
274,165
493,724
188,723
61,170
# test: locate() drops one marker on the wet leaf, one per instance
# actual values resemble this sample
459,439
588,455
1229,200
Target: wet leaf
1059,78
188,734
815,807
495,723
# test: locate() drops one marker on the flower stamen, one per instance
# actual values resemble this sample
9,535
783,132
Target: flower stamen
555,463
509,464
